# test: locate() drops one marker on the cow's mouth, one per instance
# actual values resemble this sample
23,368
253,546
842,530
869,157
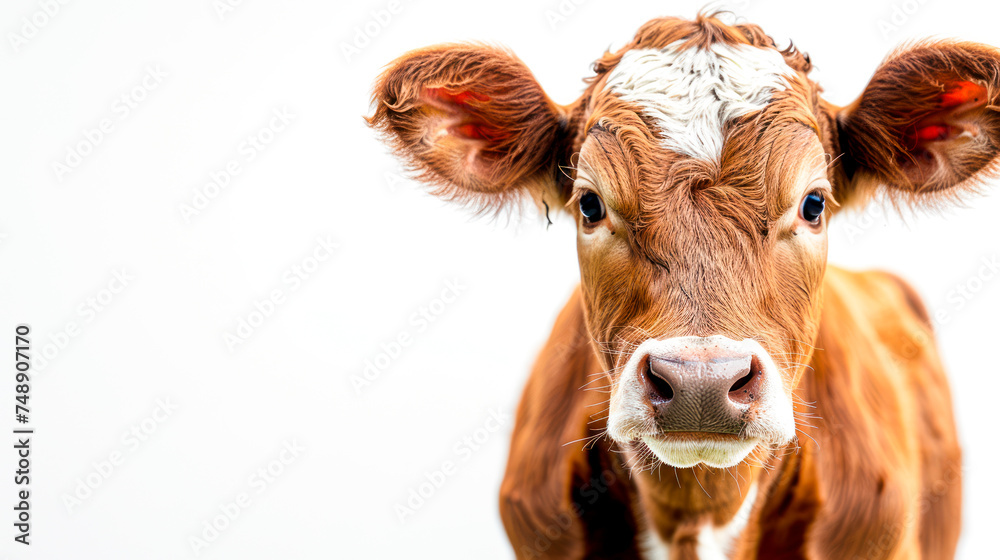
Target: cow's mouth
687,449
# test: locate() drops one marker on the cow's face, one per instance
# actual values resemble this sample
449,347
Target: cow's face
701,167
699,195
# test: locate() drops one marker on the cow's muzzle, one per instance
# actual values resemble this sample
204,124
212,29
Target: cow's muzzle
701,400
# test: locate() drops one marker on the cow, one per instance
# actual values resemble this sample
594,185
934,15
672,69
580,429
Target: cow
713,389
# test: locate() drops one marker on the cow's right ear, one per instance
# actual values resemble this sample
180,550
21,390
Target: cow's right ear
472,121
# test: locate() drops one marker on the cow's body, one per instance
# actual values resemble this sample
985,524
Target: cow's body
875,475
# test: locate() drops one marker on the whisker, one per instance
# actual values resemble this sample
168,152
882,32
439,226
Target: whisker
695,475
810,437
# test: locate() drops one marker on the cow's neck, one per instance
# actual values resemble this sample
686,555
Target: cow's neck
695,512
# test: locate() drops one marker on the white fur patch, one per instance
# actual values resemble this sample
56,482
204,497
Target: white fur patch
652,547
692,92
716,543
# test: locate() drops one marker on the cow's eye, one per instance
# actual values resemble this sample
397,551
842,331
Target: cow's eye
812,207
592,207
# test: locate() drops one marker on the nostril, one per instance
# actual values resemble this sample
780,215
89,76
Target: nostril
662,388
659,388
747,388
741,382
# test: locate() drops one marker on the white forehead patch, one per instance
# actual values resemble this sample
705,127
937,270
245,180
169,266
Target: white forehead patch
693,92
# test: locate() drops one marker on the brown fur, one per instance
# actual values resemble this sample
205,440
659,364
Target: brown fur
694,247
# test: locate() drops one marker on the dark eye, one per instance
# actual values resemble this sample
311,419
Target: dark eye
812,207
592,207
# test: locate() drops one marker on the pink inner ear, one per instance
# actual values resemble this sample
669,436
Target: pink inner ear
941,125
932,133
465,109
963,92
461,98
471,131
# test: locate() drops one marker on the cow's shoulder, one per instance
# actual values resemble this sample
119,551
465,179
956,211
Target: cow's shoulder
877,298
875,355
881,418
562,494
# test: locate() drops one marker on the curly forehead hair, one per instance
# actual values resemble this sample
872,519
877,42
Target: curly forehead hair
651,187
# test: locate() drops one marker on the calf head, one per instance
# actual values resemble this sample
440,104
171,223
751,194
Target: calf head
701,166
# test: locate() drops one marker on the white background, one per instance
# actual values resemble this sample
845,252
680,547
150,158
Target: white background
162,336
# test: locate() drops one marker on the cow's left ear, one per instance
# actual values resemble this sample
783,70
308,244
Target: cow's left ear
928,122
472,121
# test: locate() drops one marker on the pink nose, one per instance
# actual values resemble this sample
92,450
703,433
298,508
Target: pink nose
703,387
